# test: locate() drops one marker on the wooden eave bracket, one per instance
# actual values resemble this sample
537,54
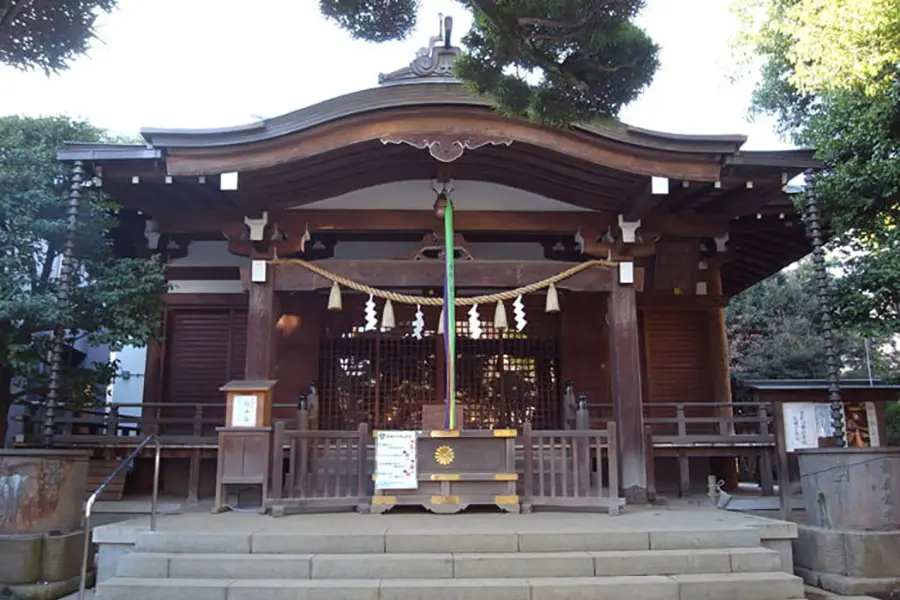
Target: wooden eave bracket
626,244
152,234
257,227
629,229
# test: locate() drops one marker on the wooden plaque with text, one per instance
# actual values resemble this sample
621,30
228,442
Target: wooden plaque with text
248,403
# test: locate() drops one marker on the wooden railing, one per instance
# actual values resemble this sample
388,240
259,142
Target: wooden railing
674,425
650,463
747,424
125,424
325,469
568,469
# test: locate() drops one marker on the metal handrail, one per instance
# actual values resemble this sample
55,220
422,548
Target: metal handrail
82,584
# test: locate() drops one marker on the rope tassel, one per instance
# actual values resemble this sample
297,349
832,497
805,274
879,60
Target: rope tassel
552,299
500,322
387,317
441,323
334,298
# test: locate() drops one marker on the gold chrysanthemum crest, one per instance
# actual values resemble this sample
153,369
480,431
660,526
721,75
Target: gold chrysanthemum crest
444,455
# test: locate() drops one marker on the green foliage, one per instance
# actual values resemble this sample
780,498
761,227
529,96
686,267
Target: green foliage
47,34
373,20
830,77
868,294
114,301
892,422
830,44
858,137
553,62
775,332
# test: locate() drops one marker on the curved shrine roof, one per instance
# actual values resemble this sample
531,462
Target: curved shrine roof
424,93
377,135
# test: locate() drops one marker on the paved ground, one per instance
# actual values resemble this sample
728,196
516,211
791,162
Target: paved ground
811,594
817,594
682,516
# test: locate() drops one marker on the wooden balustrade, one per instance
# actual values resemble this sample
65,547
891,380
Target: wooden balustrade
125,424
747,424
568,468
650,464
325,469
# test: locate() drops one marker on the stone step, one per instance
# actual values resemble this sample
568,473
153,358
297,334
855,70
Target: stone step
448,566
441,542
728,586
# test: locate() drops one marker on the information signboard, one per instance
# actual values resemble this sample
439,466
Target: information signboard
395,460
801,429
243,411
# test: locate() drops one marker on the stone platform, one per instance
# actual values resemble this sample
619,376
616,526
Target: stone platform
849,562
670,553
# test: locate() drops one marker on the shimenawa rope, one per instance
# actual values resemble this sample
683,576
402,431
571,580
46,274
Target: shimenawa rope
432,301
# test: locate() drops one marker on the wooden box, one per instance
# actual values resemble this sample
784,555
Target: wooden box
248,403
433,416
243,460
457,469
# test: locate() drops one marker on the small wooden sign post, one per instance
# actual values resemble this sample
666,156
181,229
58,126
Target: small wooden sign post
245,443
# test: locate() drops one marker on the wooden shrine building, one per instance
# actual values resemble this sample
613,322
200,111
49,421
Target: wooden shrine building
350,184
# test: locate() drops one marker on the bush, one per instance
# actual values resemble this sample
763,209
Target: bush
892,423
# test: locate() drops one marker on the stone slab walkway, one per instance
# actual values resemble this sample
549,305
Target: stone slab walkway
667,518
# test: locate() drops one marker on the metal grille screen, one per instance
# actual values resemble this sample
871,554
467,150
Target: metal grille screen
384,377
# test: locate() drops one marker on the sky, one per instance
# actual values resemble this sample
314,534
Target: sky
216,63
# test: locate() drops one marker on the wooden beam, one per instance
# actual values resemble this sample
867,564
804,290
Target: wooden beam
643,201
425,221
740,202
202,273
501,163
463,122
519,221
625,369
427,274
540,182
591,223
663,302
205,300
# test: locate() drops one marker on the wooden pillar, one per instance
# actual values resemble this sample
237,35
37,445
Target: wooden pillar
718,352
720,371
262,315
625,369
155,378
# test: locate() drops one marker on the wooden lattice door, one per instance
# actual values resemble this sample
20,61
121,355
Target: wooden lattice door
383,377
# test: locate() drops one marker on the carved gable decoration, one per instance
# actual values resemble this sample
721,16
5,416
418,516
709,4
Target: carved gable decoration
676,267
446,148
432,63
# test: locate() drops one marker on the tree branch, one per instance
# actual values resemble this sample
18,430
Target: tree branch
46,268
595,67
13,11
572,26
550,24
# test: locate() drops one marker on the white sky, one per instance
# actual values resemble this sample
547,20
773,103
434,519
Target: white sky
212,63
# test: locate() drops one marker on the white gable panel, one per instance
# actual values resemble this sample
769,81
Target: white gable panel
419,195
